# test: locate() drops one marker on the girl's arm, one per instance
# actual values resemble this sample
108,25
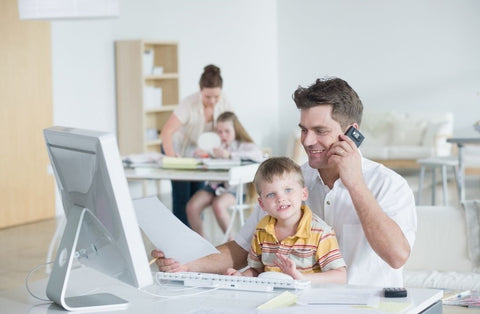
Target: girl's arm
247,151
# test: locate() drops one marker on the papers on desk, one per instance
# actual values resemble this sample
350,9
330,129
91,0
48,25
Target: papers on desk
168,233
340,296
143,160
180,163
218,163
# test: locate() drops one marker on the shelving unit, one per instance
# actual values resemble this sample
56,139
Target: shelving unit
147,92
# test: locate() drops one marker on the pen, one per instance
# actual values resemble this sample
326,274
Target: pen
459,295
153,260
463,294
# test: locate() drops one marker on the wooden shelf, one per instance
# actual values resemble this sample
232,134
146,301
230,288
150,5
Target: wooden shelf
145,100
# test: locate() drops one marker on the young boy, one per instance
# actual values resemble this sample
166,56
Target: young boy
291,239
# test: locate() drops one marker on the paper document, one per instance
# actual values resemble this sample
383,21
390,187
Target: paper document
340,296
169,234
218,163
180,163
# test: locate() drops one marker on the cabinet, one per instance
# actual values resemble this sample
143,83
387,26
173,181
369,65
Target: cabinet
147,92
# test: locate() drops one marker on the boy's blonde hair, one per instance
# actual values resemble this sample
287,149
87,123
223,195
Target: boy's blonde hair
275,167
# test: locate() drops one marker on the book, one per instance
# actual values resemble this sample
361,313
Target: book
180,163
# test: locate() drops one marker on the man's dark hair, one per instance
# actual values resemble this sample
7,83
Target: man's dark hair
347,107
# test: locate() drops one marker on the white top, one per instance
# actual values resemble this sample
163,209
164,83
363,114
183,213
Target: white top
335,207
244,150
190,113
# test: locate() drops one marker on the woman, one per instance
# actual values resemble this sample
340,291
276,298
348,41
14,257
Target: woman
194,115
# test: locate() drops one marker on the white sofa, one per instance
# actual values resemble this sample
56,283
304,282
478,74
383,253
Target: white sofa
442,256
399,139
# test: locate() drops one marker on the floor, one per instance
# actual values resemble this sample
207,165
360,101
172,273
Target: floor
24,247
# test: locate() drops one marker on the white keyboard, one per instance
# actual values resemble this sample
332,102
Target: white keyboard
205,280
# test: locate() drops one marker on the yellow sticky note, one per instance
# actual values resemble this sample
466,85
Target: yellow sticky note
282,300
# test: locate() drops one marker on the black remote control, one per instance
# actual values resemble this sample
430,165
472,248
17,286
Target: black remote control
395,292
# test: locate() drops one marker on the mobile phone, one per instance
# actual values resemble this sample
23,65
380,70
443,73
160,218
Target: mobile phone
355,135
394,292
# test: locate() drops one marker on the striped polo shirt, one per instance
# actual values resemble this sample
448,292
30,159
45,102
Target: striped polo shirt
313,248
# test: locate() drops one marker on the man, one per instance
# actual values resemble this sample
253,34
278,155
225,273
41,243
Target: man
370,207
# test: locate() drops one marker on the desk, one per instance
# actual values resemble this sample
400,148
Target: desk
84,280
237,175
462,141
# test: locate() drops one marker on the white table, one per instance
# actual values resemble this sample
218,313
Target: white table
237,175
84,281
461,142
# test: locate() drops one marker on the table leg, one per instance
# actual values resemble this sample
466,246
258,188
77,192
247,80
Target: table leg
238,208
461,174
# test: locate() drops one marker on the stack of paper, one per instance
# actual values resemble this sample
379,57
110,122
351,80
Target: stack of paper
180,163
218,163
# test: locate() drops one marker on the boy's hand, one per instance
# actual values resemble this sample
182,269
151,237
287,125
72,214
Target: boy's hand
233,272
287,266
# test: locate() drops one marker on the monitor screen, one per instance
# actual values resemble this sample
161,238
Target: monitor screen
101,230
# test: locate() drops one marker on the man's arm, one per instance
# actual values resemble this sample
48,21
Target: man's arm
383,233
231,256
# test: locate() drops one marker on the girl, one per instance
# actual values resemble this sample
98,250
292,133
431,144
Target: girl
235,144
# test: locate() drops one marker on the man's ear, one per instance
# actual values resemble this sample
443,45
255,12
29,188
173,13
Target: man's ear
304,194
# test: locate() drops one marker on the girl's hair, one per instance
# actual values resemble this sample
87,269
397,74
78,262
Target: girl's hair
211,77
277,167
241,134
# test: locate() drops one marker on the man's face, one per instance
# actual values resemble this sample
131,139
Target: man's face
319,131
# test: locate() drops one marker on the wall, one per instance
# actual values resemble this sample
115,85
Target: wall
398,55
238,36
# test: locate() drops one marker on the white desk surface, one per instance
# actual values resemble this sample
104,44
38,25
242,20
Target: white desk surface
85,281
234,175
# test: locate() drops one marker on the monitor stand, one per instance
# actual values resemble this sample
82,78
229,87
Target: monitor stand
57,283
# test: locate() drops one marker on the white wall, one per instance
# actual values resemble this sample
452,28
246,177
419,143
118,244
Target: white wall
401,55
238,36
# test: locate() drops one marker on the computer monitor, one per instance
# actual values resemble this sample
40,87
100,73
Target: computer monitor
101,230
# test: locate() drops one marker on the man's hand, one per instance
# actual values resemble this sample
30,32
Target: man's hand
167,264
346,156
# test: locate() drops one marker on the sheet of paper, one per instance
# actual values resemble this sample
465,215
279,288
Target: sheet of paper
168,233
282,300
340,296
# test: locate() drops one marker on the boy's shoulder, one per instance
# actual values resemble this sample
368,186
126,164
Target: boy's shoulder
319,223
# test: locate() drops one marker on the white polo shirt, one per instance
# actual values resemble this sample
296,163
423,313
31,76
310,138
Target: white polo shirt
335,207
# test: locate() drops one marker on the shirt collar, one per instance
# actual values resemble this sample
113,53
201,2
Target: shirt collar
303,229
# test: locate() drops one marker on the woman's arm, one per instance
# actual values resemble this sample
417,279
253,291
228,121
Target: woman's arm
170,127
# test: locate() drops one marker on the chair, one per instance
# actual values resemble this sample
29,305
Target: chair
434,163
240,209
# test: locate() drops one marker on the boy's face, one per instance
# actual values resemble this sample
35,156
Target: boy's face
319,132
283,197
226,131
